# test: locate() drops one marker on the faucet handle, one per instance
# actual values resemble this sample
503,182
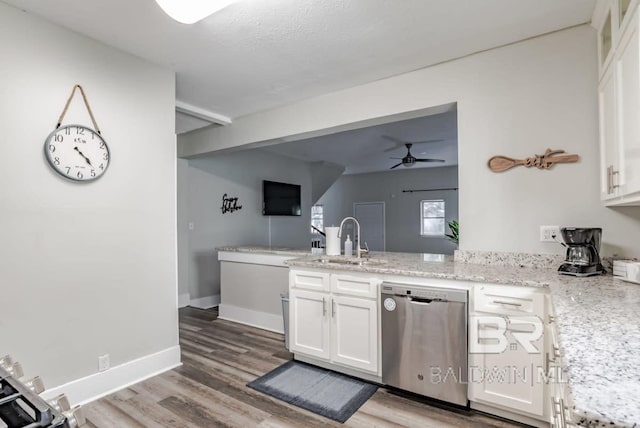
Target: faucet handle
365,250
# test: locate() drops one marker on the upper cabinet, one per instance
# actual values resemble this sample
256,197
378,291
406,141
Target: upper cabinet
619,101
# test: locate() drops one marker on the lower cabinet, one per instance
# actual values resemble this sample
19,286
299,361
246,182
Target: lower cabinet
507,349
354,332
509,379
337,328
309,325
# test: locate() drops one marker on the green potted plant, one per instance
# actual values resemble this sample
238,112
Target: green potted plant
453,236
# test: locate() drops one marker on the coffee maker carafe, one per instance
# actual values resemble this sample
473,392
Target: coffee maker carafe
583,246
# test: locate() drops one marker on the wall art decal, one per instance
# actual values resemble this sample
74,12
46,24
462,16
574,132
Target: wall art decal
229,205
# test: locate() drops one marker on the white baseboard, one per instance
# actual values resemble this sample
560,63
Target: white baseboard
183,300
92,387
205,302
263,320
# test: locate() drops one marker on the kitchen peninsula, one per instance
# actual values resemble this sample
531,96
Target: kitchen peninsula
595,319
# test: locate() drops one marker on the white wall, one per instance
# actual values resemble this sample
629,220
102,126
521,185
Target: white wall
238,175
516,101
90,268
402,210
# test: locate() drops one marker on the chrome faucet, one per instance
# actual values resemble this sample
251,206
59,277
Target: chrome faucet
359,250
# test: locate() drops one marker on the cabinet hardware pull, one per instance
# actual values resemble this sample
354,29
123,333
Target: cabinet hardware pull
556,351
500,302
609,190
548,362
324,308
613,185
333,308
552,319
563,422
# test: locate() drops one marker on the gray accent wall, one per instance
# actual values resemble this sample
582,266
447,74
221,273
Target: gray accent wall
402,210
240,175
86,268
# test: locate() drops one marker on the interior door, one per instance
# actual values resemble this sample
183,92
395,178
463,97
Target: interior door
370,215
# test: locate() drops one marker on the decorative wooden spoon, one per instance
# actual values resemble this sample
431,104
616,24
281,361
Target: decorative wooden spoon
545,161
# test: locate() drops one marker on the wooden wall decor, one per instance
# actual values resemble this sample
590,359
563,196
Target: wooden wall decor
545,161
229,205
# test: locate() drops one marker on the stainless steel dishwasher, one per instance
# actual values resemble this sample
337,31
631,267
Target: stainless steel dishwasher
424,341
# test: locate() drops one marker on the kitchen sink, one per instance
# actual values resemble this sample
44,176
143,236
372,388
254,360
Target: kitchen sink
352,261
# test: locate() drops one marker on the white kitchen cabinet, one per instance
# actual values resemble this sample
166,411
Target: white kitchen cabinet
354,332
339,325
507,377
608,143
619,110
309,326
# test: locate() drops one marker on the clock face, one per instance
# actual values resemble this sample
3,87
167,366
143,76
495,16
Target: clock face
77,153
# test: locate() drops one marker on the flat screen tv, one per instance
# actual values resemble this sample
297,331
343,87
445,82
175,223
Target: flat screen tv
280,198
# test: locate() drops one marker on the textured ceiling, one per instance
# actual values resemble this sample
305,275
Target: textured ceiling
258,54
367,150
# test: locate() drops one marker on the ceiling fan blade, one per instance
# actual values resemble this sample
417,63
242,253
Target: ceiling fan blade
396,165
435,140
395,140
429,160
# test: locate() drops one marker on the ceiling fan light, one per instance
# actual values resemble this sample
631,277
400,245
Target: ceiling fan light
192,11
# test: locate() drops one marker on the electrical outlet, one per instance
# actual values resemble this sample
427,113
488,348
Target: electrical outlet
548,232
103,362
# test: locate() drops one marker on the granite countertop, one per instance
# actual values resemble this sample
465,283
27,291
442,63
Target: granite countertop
597,321
267,250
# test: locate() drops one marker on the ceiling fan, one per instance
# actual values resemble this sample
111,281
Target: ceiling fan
410,160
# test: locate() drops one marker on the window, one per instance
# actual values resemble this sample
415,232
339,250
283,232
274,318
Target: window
432,218
317,218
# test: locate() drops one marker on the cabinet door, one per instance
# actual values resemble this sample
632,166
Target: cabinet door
627,64
509,379
309,325
354,332
608,142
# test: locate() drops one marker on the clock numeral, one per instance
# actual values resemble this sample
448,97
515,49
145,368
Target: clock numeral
79,131
56,161
101,167
67,131
93,136
68,169
52,148
105,156
79,175
93,172
102,145
58,138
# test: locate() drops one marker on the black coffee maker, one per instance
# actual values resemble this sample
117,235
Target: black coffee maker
583,246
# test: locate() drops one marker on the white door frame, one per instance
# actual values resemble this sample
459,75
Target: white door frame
384,219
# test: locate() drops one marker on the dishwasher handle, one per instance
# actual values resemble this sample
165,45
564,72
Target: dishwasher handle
422,301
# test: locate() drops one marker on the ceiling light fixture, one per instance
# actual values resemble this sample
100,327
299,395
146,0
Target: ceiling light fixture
192,11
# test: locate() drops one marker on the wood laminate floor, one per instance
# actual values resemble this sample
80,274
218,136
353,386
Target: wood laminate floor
219,358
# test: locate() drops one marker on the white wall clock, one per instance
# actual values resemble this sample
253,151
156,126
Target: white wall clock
77,152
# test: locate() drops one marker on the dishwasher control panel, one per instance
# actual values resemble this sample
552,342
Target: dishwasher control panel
419,292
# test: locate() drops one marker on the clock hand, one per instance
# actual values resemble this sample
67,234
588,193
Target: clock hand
85,158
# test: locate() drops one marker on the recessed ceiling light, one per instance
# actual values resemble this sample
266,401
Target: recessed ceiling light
192,11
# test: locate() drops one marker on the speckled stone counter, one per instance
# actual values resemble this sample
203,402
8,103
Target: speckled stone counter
598,322
267,250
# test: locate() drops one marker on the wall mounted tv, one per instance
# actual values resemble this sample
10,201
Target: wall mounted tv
280,198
